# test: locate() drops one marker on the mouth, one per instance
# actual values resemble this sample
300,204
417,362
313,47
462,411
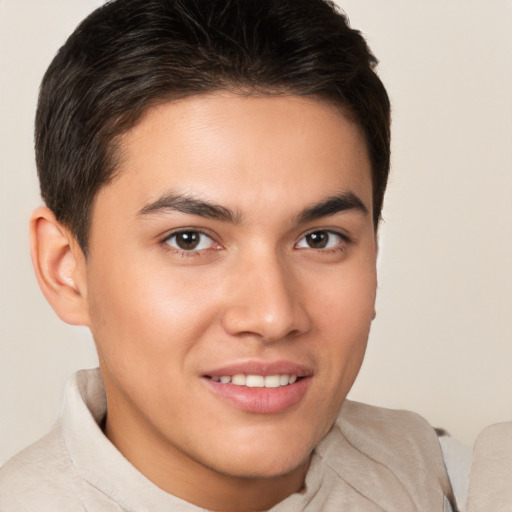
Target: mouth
257,381
260,388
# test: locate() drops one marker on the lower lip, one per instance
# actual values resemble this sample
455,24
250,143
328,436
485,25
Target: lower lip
261,400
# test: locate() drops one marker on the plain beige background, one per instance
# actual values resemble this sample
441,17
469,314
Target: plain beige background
442,340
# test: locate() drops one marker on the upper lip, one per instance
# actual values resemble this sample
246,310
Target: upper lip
264,368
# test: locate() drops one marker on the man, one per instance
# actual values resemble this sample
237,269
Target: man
213,173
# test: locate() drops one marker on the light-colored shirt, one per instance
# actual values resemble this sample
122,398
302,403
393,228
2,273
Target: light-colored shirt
372,459
490,485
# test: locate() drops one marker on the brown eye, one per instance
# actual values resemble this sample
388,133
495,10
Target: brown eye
318,239
189,241
321,239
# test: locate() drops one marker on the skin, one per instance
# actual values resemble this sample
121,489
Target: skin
255,289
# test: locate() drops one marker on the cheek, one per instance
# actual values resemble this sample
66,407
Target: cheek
344,300
344,313
142,315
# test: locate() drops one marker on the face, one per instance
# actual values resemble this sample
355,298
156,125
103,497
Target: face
231,282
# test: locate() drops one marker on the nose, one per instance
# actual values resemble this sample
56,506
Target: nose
265,301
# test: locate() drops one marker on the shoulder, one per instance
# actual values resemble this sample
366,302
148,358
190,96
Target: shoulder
389,434
41,475
392,455
491,472
382,422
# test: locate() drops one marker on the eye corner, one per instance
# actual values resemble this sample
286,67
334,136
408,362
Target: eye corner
323,240
189,242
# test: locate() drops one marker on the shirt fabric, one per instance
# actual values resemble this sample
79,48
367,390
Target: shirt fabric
372,460
490,485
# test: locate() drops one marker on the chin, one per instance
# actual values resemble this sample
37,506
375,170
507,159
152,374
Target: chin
266,470
267,448
256,461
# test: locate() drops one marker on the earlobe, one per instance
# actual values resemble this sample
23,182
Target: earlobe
60,267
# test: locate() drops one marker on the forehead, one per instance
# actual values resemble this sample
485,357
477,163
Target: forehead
254,150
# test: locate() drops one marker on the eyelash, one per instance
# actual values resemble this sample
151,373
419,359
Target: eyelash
340,246
183,252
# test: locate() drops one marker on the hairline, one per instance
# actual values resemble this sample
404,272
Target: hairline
115,150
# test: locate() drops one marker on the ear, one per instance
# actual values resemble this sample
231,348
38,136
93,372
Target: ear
60,267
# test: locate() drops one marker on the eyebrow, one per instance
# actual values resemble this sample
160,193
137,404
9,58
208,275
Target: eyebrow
191,206
331,206
202,208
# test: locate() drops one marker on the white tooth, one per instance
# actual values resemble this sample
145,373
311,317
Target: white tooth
272,381
283,380
292,379
216,379
238,380
255,381
225,379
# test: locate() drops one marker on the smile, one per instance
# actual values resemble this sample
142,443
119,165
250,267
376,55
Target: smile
260,387
257,381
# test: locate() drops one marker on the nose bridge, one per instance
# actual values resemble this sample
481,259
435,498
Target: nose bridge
265,302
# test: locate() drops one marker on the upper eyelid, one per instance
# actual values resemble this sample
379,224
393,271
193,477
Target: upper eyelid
177,231
188,252
341,244
218,240
335,231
